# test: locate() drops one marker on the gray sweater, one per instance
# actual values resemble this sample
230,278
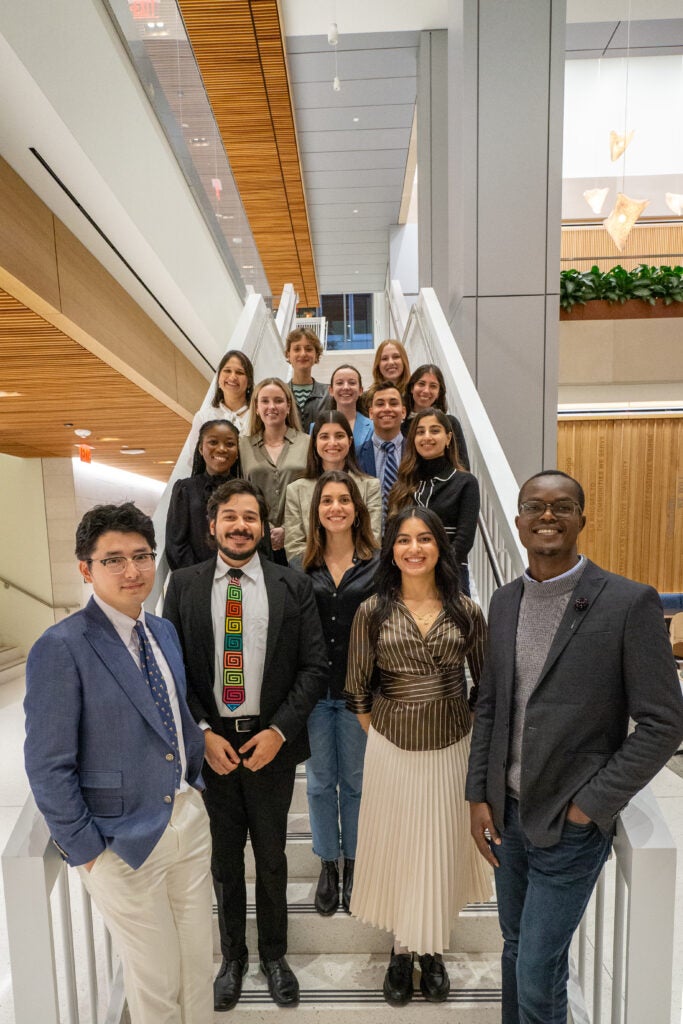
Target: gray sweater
540,612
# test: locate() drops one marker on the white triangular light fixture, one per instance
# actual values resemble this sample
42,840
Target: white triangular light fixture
674,200
595,197
619,143
622,218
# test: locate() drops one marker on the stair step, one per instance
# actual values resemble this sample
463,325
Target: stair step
335,989
476,929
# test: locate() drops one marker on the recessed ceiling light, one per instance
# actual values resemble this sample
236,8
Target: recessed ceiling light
82,432
247,266
356,271
237,240
355,211
12,394
132,451
356,120
164,462
108,438
68,424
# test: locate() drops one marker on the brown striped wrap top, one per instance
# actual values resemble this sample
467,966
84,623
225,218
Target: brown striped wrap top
422,699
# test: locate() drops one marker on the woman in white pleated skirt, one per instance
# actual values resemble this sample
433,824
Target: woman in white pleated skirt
416,864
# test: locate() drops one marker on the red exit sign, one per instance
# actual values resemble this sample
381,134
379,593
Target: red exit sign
143,10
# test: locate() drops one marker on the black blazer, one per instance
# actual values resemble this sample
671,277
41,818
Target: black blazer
295,665
610,660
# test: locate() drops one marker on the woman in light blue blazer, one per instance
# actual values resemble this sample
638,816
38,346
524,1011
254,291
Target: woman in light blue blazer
346,388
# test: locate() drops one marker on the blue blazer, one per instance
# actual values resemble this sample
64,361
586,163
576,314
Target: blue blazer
362,430
95,746
365,455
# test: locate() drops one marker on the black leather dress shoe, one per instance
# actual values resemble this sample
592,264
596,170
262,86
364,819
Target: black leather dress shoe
398,981
282,983
227,986
326,900
434,982
347,884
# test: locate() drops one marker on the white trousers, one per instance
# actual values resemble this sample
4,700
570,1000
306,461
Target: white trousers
160,918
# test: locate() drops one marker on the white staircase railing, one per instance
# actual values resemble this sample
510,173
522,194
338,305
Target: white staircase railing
497,556
627,959
257,336
398,311
317,324
52,967
286,311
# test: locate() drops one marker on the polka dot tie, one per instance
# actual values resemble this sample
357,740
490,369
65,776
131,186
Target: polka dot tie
157,685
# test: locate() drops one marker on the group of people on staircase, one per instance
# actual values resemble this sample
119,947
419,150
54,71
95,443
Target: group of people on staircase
320,611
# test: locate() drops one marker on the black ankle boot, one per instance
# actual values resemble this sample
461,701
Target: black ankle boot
347,884
326,900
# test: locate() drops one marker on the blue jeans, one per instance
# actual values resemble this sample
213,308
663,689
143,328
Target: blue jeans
334,778
542,894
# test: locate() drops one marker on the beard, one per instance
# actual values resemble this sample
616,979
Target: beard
236,556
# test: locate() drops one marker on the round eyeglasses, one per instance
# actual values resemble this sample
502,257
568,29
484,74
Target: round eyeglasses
561,509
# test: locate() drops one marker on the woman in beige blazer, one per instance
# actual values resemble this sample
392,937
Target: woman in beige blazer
331,448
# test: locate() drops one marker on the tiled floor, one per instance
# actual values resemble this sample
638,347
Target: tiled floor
668,788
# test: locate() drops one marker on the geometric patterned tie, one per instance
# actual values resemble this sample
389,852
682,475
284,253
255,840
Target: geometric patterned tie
157,685
389,475
233,653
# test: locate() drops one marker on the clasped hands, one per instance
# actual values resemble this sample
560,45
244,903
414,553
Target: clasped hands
222,758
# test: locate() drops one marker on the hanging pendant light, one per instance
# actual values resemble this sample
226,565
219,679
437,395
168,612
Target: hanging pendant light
674,200
622,218
595,197
618,144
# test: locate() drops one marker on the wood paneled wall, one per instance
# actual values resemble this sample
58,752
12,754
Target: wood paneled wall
654,244
631,469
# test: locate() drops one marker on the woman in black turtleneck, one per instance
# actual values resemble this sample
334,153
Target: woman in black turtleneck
431,476
216,459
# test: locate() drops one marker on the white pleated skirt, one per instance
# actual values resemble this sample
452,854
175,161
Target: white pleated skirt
416,863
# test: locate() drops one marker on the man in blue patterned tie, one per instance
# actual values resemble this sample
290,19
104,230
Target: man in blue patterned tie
380,454
114,758
255,660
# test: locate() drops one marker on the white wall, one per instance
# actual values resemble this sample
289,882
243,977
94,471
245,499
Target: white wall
24,555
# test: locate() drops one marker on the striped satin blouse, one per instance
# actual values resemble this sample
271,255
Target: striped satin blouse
421,703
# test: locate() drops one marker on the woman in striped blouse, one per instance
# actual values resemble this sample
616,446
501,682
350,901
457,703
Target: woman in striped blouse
416,864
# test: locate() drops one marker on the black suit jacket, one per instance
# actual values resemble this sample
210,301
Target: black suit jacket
610,660
295,665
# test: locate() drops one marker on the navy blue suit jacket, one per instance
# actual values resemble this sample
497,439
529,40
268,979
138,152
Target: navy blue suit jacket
365,455
96,749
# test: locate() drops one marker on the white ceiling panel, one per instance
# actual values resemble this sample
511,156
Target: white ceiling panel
371,63
365,178
356,118
337,245
350,196
354,160
335,142
358,92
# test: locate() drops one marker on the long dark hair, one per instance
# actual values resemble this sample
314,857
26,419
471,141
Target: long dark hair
314,464
446,573
246,366
440,402
361,531
408,478
198,463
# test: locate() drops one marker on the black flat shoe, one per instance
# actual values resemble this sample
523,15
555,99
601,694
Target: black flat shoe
282,983
227,986
398,981
347,884
434,981
326,900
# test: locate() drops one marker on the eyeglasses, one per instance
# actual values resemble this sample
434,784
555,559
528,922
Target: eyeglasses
560,509
115,565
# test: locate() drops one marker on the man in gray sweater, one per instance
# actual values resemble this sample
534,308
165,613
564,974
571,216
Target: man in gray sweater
574,653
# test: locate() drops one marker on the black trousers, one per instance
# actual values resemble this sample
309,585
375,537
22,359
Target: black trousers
257,803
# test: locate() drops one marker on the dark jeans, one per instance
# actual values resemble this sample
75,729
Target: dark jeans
542,894
256,802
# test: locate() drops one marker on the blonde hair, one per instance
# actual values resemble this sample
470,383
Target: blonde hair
256,424
402,381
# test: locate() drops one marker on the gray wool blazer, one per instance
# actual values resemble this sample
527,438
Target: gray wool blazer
611,660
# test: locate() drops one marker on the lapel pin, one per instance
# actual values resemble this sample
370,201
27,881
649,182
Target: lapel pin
581,604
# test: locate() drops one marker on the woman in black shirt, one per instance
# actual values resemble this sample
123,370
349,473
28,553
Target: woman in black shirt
340,558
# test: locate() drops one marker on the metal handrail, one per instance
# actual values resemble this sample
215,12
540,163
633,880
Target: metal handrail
34,597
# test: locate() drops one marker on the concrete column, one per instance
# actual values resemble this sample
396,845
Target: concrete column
432,163
505,116
61,520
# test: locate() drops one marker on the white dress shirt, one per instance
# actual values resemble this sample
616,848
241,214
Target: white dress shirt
254,634
125,628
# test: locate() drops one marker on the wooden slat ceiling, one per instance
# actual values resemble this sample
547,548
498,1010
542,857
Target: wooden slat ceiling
240,52
61,382
655,244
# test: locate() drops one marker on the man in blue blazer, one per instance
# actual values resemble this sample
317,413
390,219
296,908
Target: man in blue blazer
380,454
113,757
574,653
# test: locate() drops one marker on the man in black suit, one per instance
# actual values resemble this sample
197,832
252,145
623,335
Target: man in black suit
574,651
255,662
